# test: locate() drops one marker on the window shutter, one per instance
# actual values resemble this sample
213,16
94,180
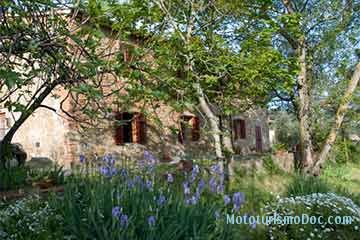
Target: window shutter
258,138
236,129
181,131
139,128
119,129
242,129
126,55
195,130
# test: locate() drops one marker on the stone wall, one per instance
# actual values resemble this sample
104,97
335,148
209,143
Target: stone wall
253,118
44,133
162,139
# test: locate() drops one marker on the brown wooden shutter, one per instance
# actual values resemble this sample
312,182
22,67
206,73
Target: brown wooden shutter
126,55
139,128
195,130
258,138
119,129
181,131
236,129
242,128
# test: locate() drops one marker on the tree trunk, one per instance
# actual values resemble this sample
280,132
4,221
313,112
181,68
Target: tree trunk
228,148
340,114
216,131
304,111
5,149
213,120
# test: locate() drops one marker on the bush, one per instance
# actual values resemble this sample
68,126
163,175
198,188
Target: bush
302,185
316,204
30,219
14,178
270,166
55,174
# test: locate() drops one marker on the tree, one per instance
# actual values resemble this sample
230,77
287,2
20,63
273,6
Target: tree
317,41
42,49
195,66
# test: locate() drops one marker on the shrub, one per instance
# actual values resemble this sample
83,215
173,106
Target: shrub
270,166
302,185
14,178
30,218
316,204
55,173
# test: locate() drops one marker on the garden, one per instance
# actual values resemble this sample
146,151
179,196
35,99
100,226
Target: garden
188,120
154,201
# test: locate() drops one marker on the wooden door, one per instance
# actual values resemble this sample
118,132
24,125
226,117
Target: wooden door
258,138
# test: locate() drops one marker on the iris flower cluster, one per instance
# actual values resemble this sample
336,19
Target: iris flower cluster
123,218
108,168
193,186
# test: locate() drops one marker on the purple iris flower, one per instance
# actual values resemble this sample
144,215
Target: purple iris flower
220,188
116,211
238,200
186,188
216,168
149,157
105,171
82,158
123,172
161,200
152,221
113,171
192,200
149,184
201,185
108,159
212,184
124,220
108,171
138,179
227,200
130,184
170,178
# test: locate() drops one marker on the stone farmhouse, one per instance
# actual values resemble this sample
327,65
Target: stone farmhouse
168,134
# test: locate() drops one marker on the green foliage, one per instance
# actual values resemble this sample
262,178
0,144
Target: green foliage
303,185
270,166
87,208
54,173
14,178
286,129
341,172
30,218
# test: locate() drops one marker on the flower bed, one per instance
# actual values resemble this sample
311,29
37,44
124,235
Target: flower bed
322,205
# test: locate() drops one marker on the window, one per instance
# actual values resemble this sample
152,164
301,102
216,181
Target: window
130,128
189,129
239,129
